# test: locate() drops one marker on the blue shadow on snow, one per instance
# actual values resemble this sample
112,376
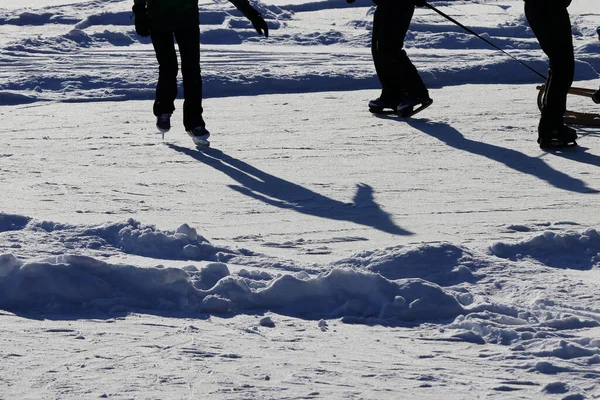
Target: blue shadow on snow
512,159
284,194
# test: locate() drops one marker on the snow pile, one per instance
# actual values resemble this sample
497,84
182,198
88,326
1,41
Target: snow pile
131,237
11,222
525,327
444,264
481,297
558,250
471,295
70,282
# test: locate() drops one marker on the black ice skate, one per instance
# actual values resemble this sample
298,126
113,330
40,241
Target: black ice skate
381,106
200,136
409,107
163,123
557,138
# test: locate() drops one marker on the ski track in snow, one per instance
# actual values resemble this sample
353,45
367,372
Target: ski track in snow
450,258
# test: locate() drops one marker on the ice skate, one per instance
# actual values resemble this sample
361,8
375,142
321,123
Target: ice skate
381,106
200,136
409,107
163,123
557,138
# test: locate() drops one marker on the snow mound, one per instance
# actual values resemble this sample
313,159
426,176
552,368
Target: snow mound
69,282
10,222
444,264
530,328
131,237
11,99
571,250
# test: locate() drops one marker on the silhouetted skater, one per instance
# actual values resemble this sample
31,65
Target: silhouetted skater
166,21
402,89
549,20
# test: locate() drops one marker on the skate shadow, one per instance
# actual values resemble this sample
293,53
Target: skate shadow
511,158
579,154
284,194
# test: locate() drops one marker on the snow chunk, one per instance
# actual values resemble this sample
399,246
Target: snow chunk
210,275
12,99
215,304
10,222
267,322
546,367
563,349
470,337
594,359
556,388
440,263
8,264
144,240
343,290
559,250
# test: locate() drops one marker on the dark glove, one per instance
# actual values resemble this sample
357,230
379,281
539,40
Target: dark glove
142,22
419,3
258,22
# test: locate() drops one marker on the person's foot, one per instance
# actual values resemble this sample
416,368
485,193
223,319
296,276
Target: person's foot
163,122
200,136
410,106
379,104
556,137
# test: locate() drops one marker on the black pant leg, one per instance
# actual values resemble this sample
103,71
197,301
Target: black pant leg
551,25
397,74
166,88
188,41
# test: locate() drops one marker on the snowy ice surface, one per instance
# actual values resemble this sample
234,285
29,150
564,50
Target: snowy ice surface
316,250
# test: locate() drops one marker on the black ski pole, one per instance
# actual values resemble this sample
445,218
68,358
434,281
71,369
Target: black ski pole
449,18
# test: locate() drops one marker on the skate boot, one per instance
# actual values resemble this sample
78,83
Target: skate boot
200,136
557,137
163,123
410,106
379,106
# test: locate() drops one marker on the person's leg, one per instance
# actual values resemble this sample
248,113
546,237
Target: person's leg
551,25
166,88
387,41
397,74
188,41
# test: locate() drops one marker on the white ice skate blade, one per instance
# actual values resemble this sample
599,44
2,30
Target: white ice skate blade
162,132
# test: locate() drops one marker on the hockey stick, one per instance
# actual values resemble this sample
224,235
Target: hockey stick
449,18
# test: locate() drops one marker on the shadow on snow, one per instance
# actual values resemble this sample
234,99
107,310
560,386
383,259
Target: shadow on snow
512,159
287,195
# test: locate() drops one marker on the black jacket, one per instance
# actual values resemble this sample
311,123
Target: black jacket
171,15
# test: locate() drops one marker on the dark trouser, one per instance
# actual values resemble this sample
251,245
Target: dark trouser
398,76
549,20
188,41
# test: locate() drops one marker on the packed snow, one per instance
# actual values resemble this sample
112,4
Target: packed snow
315,250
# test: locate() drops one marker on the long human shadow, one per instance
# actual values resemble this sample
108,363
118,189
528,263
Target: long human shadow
511,158
284,194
